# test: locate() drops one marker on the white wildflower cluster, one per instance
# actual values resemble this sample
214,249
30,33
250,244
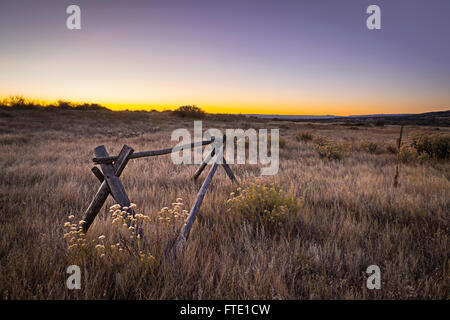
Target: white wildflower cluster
126,240
77,241
74,234
173,217
128,232
125,218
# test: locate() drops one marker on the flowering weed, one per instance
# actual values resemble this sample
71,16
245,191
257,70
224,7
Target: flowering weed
264,204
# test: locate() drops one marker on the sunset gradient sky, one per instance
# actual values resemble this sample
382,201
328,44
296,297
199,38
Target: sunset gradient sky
230,56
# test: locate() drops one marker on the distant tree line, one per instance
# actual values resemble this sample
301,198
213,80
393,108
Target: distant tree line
19,102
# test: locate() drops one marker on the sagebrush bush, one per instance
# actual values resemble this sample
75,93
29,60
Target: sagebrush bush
264,204
320,140
304,136
435,146
328,149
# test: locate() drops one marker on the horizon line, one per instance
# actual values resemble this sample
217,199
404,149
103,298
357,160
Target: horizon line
149,108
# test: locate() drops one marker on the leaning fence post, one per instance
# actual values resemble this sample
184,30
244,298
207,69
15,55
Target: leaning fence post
229,172
204,163
184,234
399,145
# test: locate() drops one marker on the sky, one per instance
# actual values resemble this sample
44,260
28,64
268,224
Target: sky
230,56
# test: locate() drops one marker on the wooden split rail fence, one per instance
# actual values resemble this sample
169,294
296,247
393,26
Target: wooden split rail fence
111,167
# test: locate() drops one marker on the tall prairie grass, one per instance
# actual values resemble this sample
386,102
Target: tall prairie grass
350,215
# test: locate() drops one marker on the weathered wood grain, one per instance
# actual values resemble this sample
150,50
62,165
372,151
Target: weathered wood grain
98,174
103,191
115,185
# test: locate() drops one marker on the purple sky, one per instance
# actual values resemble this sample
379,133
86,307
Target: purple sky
253,56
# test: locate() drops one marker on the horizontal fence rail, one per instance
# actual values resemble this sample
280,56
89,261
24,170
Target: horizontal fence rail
142,154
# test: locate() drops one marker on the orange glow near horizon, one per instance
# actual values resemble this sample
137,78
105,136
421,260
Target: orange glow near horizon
340,108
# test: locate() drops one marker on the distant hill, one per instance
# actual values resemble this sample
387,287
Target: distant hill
438,118
294,117
288,117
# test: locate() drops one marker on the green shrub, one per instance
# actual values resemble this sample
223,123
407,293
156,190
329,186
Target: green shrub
328,149
321,141
330,152
304,136
436,146
263,204
189,112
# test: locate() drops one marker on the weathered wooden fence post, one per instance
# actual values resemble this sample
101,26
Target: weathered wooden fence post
112,167
224,163
104,190
184,234
399,145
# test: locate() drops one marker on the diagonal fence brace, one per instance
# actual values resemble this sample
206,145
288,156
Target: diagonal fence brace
184,234
224,164
104,189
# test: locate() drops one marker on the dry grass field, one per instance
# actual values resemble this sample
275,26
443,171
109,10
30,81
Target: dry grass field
350,215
